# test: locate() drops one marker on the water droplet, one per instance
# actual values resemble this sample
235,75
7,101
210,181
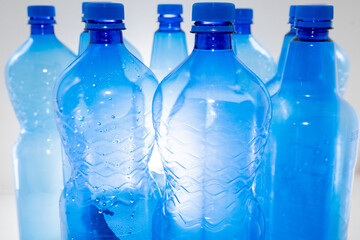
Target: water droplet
132,215
132,201
112,116
99,123
94,85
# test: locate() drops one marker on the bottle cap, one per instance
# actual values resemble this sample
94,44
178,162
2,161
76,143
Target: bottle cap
170,12
175,9
103,11
41,11
292,14
99,15
213,12
243,16
41,14
314,16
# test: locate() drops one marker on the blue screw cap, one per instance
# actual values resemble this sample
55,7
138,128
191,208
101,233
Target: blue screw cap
314,16
103,11
170,12
213,17
41,11
175,9
213,12
104,15
292,14
243,16
41,14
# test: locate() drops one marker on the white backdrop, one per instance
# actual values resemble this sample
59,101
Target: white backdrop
270,25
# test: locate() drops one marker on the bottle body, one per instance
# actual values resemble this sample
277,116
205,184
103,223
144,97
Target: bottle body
254,56
168,51
103,107
307,172
30,77
210,147
84,43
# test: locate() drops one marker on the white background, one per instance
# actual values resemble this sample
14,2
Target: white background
270,25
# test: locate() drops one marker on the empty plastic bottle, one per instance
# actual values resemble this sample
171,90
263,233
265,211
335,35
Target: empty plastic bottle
274,84
84,38
249,50
305,180
30,77
342,61
169,46
211,117
103,108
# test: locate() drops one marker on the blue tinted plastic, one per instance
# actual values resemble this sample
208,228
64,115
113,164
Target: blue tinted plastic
342,64
342,68
274,84
84,43
211,118
253,54
168,51
30,77
169,46
305,180
103,108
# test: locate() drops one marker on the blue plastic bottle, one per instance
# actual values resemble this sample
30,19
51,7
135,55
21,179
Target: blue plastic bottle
274,84
305,180
211,118
103,108
249,50
342,61
84,38
30,77
169,46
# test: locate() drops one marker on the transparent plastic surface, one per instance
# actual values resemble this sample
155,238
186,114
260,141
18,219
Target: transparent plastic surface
211,117
169,50
273,85
305,180
84,43
30,76
103,107
254,56
342,66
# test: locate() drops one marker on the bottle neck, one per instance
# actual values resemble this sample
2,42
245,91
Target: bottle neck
42,29
292,30
102,36
310,65
312,34
169,26
213,41
243,28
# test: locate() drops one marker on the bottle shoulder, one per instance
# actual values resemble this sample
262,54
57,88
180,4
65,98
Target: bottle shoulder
38,50
101,69
214,76
247,44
